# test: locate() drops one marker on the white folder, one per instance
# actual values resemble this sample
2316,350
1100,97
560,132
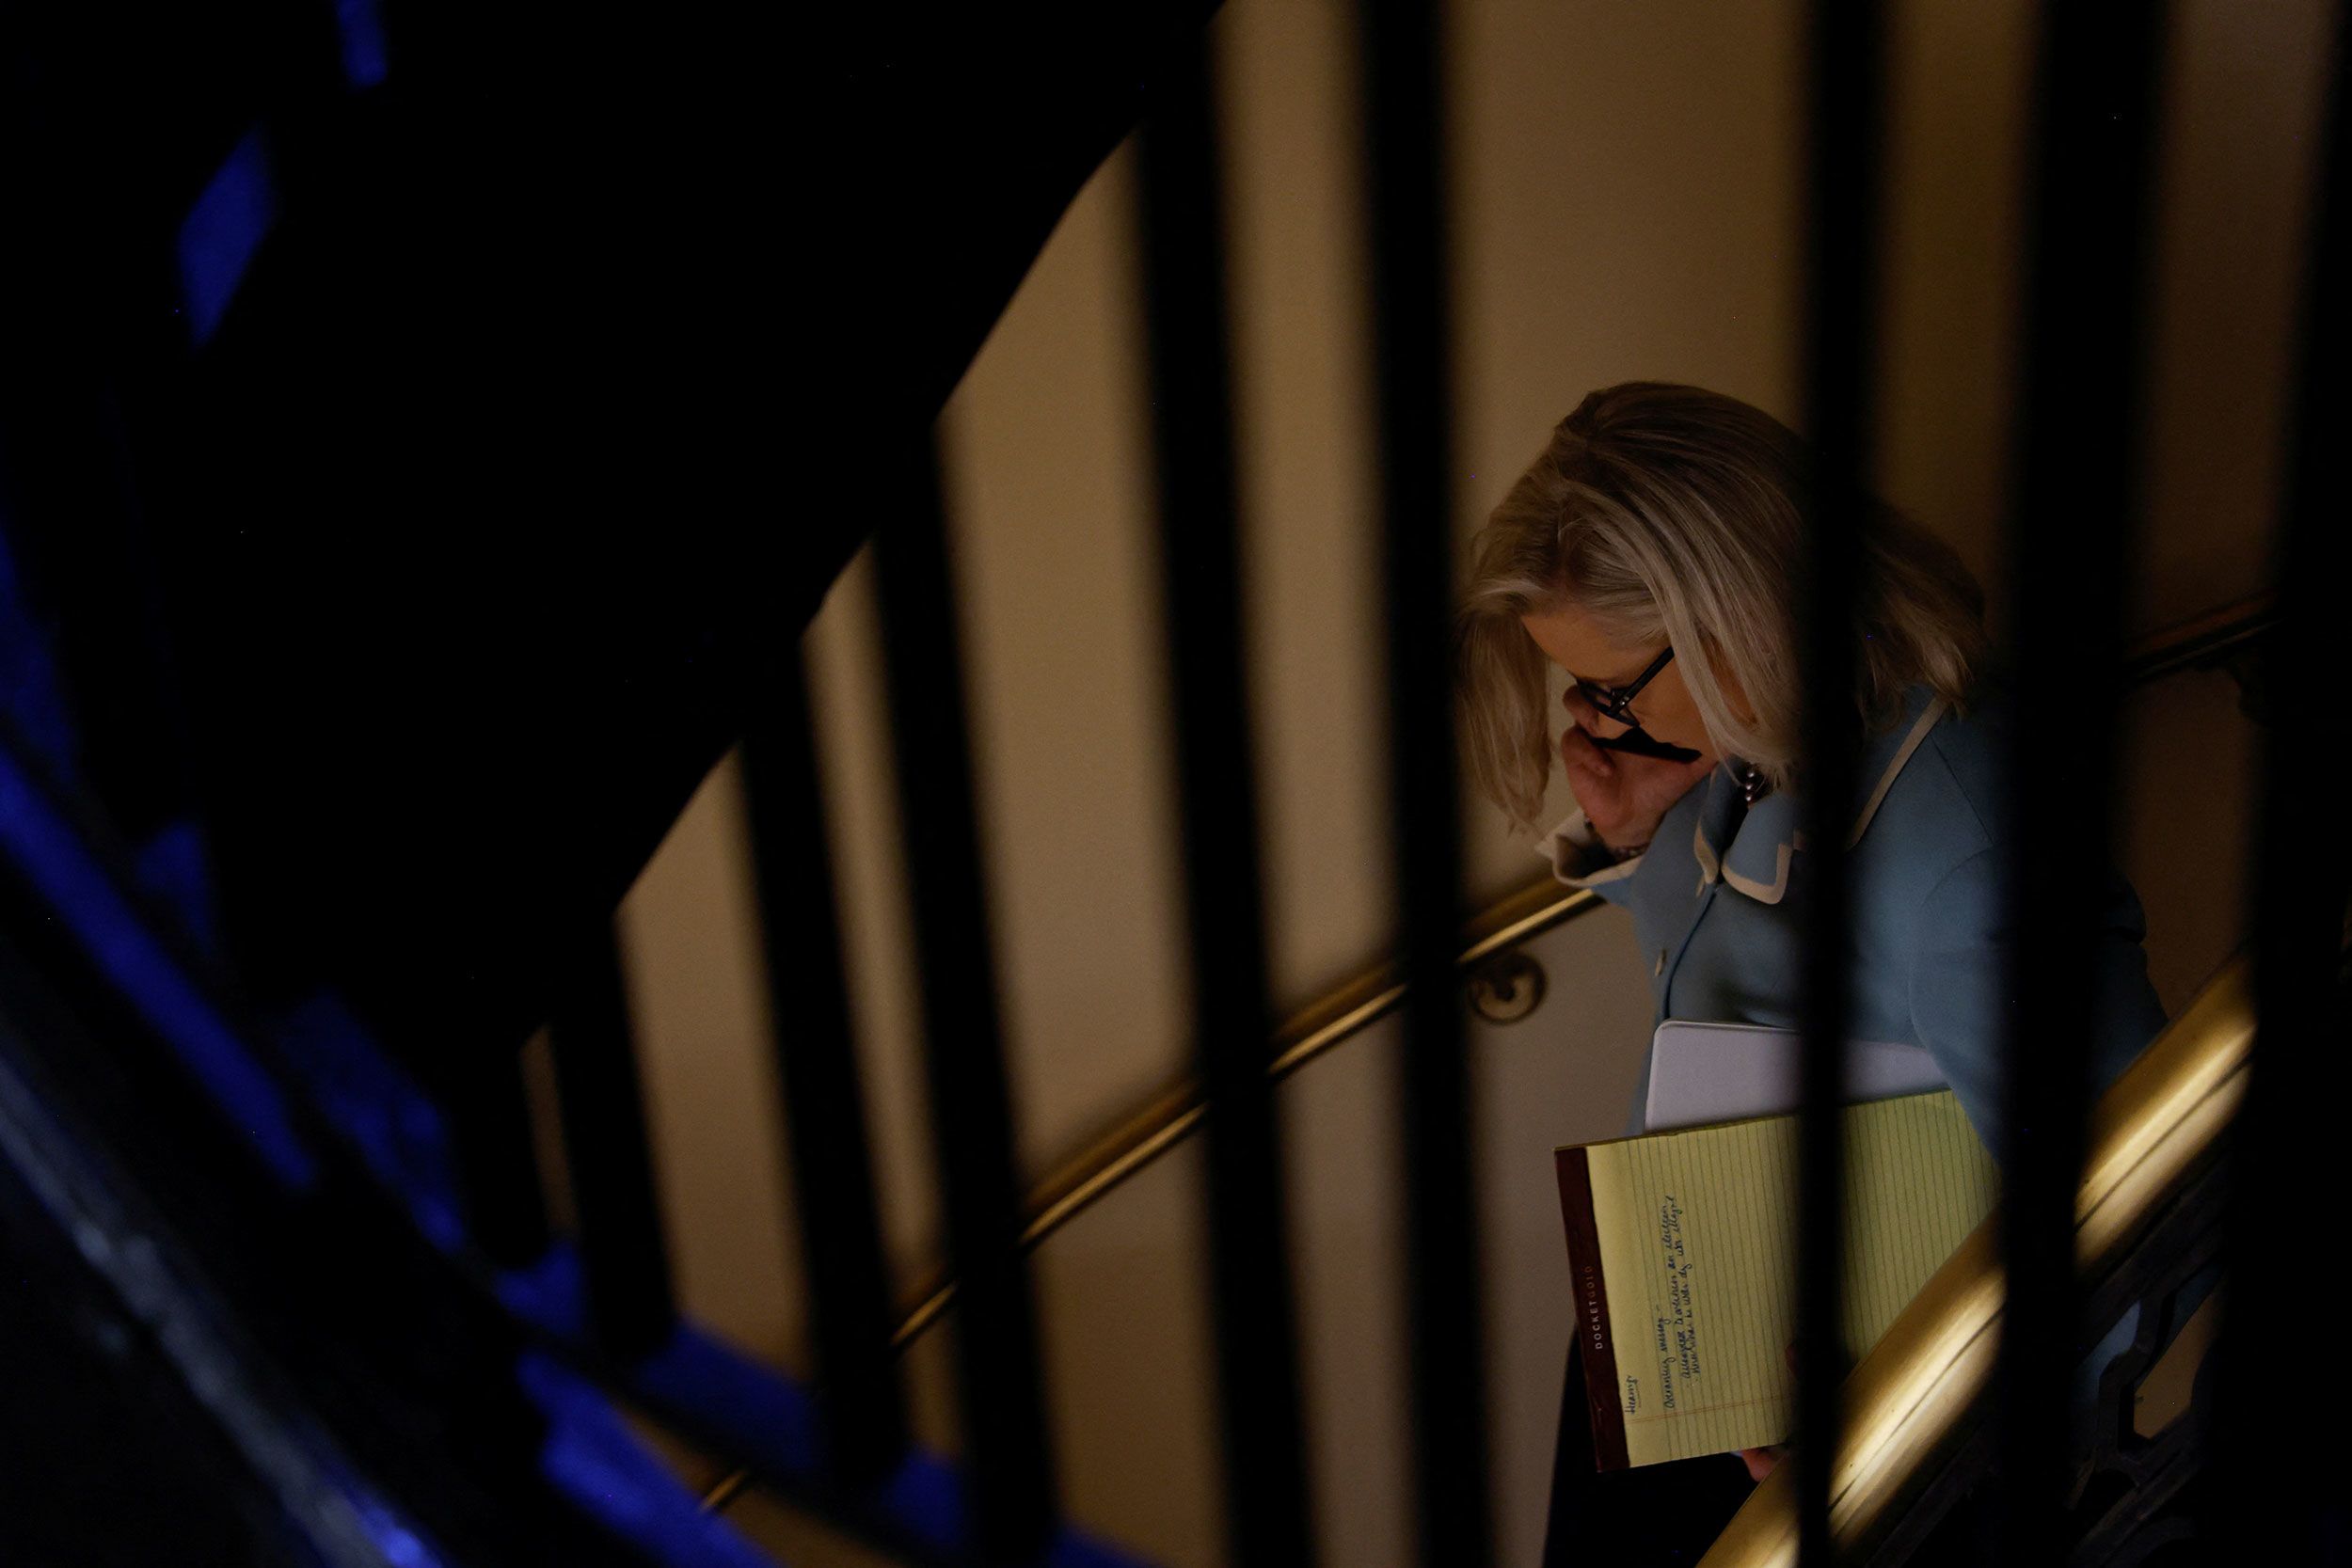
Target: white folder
1708,1072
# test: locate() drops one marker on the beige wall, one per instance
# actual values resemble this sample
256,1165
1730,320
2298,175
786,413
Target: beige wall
1626,186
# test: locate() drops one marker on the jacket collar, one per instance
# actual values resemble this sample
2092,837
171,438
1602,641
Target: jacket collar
1752,854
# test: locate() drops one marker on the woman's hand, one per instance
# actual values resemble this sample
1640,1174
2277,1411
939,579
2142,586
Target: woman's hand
1624,796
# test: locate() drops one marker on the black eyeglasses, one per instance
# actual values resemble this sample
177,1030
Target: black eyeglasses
1614,701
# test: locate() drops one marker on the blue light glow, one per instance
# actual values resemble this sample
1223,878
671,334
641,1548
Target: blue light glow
50,857
401,1544
379,1109
550,1293
365,61
223,230
761,1412
172,868
594,1459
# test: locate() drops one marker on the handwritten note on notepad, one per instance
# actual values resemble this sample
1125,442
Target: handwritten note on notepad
1683,1247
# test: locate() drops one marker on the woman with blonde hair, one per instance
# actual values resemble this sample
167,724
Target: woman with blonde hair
1651,553
1652,556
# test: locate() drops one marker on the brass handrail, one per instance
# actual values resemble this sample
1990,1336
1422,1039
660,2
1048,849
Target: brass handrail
2210,639
1170,1116
1905,1403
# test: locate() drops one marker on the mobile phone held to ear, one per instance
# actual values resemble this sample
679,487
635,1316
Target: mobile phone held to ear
1641,743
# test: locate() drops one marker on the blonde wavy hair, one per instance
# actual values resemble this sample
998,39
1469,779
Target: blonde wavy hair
1671,514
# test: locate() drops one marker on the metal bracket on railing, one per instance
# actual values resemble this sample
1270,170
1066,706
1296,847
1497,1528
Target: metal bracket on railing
1507,987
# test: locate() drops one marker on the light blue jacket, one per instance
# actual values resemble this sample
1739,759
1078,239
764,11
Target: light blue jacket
1717,904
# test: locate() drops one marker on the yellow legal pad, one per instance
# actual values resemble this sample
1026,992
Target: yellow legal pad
1682,1248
